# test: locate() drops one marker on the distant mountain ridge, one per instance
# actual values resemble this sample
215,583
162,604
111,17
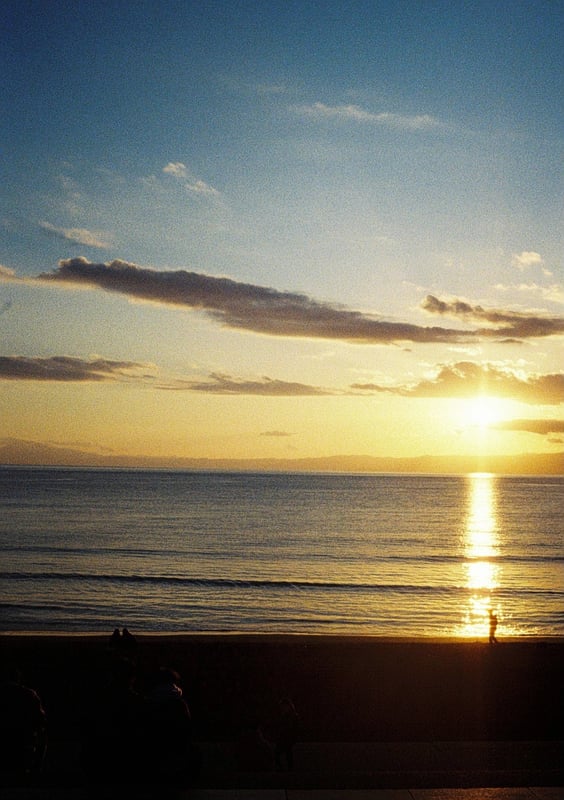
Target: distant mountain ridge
18,452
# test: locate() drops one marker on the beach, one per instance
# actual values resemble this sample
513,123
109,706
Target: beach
344,688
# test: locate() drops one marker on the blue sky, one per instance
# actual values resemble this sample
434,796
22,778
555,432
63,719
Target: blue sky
365,155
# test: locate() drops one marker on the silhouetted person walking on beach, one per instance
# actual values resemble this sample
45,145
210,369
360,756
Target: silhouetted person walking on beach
493,627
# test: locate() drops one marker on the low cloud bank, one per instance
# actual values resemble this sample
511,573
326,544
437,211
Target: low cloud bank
540,426
265,386
65,368
466,379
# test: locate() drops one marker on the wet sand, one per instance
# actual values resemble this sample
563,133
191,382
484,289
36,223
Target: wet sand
344,688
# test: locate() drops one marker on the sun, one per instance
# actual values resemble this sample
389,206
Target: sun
483,411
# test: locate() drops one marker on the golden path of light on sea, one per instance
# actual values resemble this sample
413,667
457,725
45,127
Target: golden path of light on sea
481,543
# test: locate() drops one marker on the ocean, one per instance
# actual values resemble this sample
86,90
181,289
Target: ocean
387,555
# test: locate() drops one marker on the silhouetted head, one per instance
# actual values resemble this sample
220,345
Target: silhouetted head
167,677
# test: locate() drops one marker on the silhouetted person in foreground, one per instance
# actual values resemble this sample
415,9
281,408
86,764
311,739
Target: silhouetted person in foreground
280,733
493,627
23,727
114,728
170,755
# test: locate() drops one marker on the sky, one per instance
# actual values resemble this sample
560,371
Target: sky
281,230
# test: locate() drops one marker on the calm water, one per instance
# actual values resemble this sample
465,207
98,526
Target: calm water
377,554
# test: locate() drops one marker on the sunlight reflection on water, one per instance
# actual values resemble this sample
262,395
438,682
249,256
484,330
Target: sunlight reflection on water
481,545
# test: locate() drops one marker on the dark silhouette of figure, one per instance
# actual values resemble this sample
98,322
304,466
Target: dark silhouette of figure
493,627
23,726
113,734
125,640
171,756
280,733
115,638
128,640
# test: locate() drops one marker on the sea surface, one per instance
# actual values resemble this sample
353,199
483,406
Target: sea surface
389,555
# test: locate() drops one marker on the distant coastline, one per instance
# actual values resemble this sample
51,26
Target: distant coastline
16,452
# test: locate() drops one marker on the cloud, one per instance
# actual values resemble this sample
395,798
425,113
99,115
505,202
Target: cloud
243,306
553,293
466,379
276,434
178,170
66,368
526,259
267,387
76,235
271,88
501,322
263,310
540,426
69,369
355,113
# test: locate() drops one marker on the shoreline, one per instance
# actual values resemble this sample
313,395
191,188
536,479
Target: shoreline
290,637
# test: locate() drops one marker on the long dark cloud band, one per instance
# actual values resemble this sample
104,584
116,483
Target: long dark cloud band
65,368
519,325
265,310
246,306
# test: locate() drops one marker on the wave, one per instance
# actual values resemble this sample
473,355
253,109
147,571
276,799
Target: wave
264,584
301,556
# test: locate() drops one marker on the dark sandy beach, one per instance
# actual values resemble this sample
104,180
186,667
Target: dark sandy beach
344,688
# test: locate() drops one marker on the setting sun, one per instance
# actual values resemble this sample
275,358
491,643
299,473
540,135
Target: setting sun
483,411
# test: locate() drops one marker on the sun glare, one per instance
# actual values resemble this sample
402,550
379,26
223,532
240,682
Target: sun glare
483,411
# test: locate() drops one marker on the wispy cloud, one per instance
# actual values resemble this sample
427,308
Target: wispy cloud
77,235
514,324
265,386
355,113
66,368
276,434
179,171
553,293
527,259
466,379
